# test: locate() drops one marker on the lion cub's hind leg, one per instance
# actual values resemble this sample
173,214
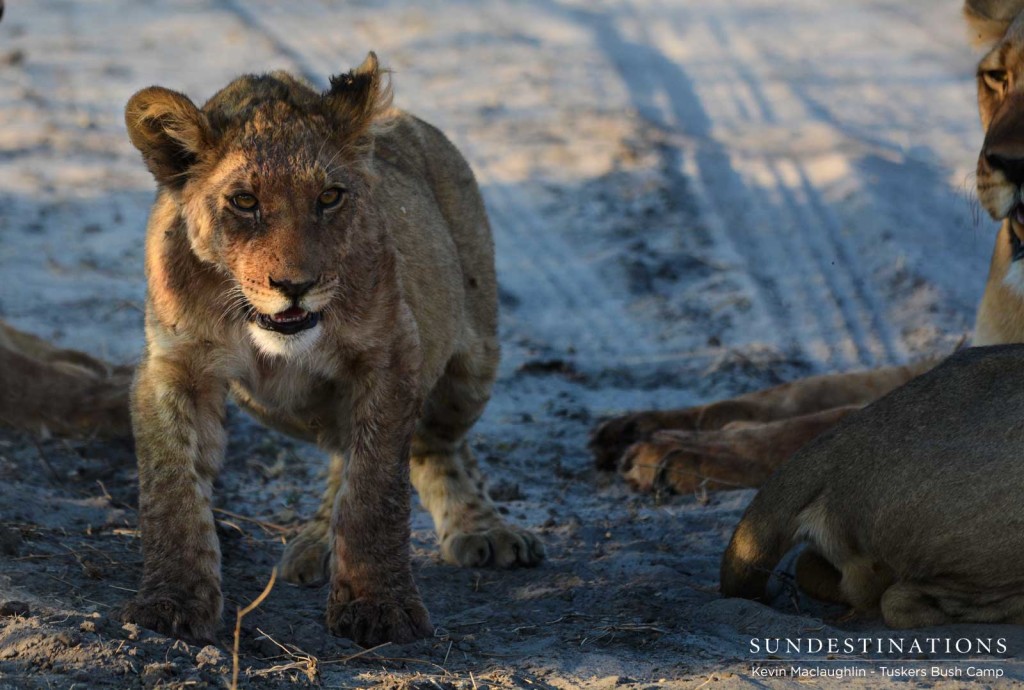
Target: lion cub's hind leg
448,480
306,559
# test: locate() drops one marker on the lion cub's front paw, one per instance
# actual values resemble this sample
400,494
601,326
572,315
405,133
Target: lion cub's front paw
369,622
306,559
188,618
503,547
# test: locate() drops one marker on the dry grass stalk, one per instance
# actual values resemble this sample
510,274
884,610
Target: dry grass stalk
242,613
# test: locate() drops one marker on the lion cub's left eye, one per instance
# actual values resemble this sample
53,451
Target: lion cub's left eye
329,198
244,202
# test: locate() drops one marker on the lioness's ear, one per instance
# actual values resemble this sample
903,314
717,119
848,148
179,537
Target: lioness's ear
169,130
988,20
360,98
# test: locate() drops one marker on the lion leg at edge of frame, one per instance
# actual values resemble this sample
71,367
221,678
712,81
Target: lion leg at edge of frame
803,397
905,605
818,578
306,558
58,395
740,457
470,531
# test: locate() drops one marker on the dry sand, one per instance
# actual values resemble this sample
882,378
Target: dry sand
690,199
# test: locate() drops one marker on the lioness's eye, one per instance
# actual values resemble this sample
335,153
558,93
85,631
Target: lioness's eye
995,79
330,197
244,202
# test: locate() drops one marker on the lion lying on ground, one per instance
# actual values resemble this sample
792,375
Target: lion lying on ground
911,507
328,261
46,389
739,442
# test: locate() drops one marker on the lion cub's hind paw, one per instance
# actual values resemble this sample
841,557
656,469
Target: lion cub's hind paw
370,623
195,622
306,559
501,547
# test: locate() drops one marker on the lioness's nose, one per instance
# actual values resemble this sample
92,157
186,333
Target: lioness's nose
1011,165
290,289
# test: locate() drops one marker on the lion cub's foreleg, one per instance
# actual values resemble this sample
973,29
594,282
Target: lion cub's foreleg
178,414
373,597
447,478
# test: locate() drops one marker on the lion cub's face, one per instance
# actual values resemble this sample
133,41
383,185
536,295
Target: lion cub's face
998,25
270,179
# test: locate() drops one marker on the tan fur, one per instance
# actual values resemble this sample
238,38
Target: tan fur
398,367
46,389
707,447
908,507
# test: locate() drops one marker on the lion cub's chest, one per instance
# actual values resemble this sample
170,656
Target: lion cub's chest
288,394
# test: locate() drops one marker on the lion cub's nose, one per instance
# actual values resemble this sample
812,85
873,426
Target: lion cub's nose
1012,165
290,289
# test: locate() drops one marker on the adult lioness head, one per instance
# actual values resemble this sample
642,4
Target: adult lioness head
269,177
999,26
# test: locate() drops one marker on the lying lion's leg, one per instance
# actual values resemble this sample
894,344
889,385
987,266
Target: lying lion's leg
740,456
63,398
798,398
448,480
905,605
819,578
38,349
306,559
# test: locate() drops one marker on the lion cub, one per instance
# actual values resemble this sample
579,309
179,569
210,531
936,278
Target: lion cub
327,260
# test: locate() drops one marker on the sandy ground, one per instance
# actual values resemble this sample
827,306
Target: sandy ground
690,199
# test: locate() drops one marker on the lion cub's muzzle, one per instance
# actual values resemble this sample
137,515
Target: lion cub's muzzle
294,319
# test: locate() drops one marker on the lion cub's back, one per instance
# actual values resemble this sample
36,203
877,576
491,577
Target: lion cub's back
412,155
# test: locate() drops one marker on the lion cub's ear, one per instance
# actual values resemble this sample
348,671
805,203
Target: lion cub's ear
360,98
988,20
169,130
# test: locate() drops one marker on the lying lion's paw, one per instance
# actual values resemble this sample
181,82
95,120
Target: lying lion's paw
306,559
502,547
610,439
176,615
370,623
661,465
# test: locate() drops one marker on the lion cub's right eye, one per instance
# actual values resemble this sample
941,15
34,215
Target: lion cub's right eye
995,79
244,202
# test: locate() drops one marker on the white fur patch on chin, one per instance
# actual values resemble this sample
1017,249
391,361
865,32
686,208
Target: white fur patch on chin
1014,278
279,345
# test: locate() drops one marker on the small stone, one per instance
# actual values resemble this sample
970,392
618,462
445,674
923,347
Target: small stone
209,656
87,626
14,608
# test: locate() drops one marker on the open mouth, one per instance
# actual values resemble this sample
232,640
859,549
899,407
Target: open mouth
288,322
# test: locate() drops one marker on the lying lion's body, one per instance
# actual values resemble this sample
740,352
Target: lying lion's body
913,502
912,506
329,261
740,441
46,389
